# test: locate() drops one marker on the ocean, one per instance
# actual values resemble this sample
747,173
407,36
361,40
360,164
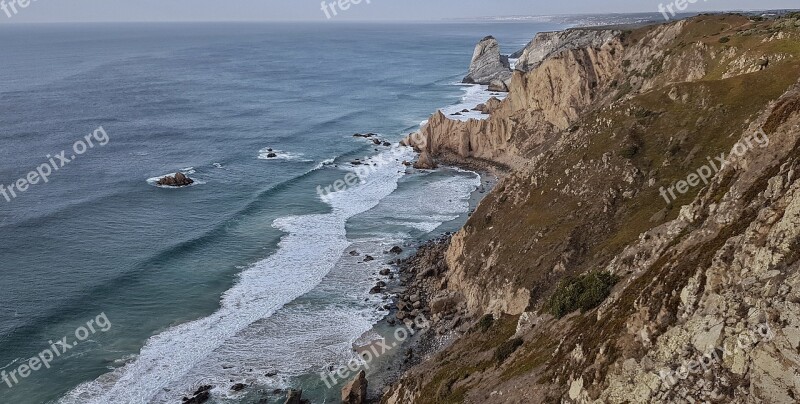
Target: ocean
247,272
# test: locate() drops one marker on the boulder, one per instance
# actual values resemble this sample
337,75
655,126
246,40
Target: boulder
271,155
396,250
355,392
178,180
238,387
369,258
443,304
385,271
498,85
487,63
425,162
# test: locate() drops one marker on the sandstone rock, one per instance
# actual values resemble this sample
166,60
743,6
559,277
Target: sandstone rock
355,392
487,63
425,162
498,85
443,304
547,44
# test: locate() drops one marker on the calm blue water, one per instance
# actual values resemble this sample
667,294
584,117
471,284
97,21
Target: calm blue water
245,272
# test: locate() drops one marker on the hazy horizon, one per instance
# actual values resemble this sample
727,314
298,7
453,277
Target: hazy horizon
112,11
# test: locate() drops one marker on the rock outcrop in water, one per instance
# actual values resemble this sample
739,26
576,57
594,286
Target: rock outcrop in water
177,180
355,392
488,64
583,283
425,162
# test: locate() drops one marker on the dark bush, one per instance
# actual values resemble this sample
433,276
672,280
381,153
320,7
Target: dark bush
506,349
485,323
629,150
584,292
724,39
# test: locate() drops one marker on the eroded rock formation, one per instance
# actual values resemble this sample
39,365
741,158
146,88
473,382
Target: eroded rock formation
488,64
705,303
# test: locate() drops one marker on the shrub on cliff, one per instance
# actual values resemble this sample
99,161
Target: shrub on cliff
506,349
484,323
584,292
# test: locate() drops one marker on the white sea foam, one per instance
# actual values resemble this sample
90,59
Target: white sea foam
324,163
310,249
474,94
281,155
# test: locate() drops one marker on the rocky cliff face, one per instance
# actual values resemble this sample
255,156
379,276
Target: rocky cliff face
547,44
488,64
541,102
701,295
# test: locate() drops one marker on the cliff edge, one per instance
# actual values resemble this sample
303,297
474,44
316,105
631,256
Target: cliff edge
643,246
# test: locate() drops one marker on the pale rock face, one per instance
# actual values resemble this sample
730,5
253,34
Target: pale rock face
548,98
742,300
746,304
488,64
547,44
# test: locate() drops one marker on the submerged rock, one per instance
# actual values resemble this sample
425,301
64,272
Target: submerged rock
200,396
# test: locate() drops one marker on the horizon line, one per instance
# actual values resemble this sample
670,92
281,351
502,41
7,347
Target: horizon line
340,21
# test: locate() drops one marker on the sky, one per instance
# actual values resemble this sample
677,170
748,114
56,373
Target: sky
38,11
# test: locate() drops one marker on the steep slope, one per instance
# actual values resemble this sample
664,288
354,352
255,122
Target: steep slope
596,136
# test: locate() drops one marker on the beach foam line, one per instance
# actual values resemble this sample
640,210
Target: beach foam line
474,94
310,249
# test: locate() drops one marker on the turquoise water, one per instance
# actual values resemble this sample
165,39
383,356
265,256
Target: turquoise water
245,272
